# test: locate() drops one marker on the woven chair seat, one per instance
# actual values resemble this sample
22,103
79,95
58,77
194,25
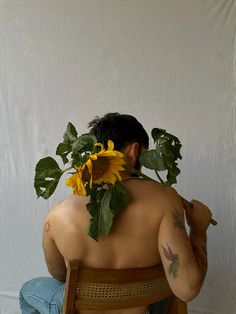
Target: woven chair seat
126,291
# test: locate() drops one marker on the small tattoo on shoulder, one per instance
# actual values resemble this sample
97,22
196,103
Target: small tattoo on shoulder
173,258
177,219
47,226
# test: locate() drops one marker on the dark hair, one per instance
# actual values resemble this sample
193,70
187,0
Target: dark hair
120,128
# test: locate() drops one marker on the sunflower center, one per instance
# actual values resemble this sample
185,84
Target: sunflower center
86,175
100,167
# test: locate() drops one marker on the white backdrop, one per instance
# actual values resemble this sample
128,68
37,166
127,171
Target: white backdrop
170,63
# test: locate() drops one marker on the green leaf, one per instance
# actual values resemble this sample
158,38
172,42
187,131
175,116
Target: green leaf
102,216
157,133
103,206
120,198
93,228
172,174
105,215
63,150
165,155
152,159
70,134
166,150
170,145
93,209
47,176
85,143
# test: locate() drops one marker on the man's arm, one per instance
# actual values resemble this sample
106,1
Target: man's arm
197,218
54,260
184,258
199,243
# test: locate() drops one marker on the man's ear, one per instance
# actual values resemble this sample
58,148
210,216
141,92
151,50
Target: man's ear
132,153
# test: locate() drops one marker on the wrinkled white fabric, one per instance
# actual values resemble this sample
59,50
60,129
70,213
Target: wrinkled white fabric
169,63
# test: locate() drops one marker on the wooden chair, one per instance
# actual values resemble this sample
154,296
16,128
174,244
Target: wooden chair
109,289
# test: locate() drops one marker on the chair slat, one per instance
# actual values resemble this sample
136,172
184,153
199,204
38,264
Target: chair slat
70,287
124,275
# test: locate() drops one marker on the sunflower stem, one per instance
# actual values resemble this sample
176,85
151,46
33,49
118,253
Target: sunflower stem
139,173
159,177
63,171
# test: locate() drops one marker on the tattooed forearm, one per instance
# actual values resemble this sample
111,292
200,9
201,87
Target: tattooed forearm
200,252
178,220
173,258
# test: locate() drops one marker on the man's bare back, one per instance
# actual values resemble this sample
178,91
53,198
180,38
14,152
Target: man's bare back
132,241
149,231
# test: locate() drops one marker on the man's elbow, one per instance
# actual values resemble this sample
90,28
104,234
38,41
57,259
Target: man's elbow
188,293
60,276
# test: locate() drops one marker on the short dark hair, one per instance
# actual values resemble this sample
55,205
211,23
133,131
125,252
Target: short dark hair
120,128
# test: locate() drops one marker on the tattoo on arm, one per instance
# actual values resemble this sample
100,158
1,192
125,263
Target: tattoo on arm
200,257
177,219
200,253
47,226
173,258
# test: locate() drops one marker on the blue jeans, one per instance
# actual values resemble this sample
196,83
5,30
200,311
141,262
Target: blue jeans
42,295
45,296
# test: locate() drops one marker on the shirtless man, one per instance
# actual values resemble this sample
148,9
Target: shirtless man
153,223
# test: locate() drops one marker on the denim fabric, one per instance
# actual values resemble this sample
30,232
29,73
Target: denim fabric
45,296
42,295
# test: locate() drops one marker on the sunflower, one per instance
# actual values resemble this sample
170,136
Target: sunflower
104,166
75,181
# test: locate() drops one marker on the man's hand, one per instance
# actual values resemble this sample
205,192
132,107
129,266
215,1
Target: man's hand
198,217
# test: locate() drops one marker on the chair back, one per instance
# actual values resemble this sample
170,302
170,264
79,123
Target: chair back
109,289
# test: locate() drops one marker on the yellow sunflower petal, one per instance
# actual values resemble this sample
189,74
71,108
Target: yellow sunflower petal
81,188
78,168
100,145
118,176
71,181
89,164
76,183
94,156
113,179
113,153
110,145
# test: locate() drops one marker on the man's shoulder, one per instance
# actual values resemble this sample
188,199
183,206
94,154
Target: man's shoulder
159,194
142,182
67,206
67,214
148,187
